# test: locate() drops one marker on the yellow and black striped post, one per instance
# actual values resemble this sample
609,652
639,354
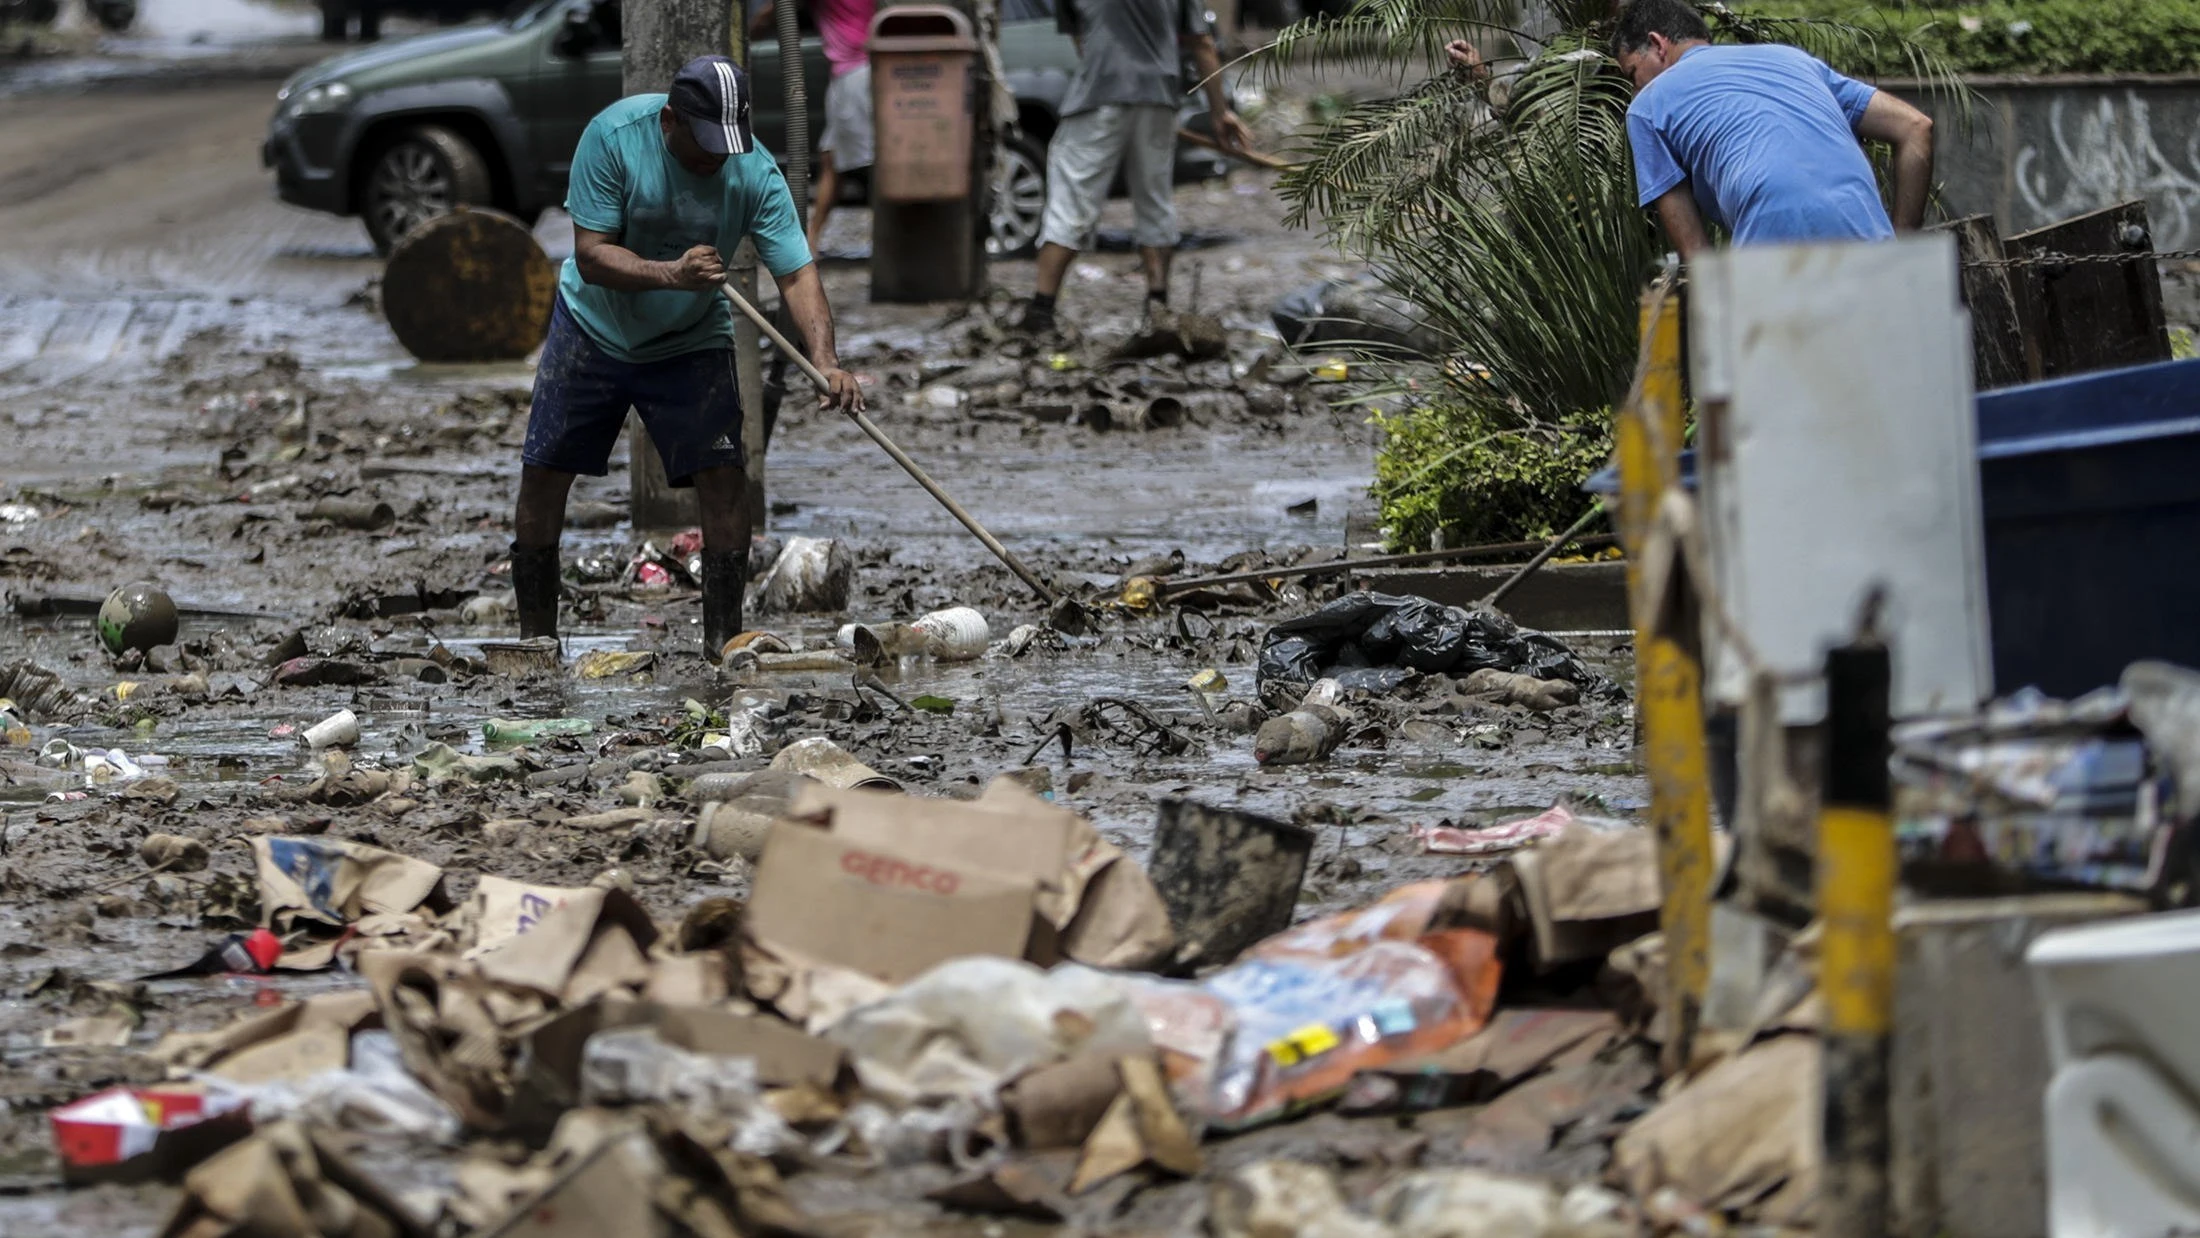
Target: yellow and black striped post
1668,681
1856,882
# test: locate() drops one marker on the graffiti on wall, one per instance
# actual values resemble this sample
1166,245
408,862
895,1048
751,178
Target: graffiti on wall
2097,150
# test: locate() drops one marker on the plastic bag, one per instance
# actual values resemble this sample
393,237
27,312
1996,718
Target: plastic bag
1288,1025
634,1065
1371,641
967,1026
376,1095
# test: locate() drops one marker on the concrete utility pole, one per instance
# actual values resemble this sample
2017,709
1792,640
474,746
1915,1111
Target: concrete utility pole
660,36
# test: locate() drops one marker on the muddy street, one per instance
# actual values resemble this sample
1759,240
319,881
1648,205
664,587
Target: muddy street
187,368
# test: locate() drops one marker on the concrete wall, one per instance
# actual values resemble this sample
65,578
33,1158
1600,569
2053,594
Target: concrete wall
2045,149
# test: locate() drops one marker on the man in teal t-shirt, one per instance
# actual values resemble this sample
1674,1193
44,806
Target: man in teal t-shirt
662,188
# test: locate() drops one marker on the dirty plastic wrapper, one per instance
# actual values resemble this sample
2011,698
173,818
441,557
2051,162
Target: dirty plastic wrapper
1372,641
969,1025
374,1095
631,1066
1291,1023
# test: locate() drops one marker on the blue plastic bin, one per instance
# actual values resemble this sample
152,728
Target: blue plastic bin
2091,491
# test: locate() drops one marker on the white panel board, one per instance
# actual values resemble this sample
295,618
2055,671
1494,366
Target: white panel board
1838,445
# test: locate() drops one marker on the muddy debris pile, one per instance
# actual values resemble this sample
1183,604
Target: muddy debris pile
1176,371
922,1003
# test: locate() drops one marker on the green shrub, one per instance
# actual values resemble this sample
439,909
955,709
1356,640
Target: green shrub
1478,477
2019,36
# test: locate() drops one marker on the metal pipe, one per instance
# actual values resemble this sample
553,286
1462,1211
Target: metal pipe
795,86
901,457
1163,588
1543,556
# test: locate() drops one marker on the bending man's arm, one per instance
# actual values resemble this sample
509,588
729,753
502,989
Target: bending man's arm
607,264
1229,130
804,295
1890,120
1683,222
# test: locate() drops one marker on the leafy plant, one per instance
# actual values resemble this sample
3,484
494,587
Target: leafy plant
2022,36
1449,471
1505,212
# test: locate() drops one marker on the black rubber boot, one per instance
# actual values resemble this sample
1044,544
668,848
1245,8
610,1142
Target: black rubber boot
535,590
725,575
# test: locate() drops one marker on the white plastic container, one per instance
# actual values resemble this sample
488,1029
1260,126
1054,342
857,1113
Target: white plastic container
956,634
338,730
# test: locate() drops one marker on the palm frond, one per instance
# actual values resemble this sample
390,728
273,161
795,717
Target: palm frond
1399,37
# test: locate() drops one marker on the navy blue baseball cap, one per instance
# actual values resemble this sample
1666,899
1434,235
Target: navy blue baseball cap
712,94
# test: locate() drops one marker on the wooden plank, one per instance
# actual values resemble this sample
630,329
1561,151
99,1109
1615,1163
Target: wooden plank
1997,341
2090,316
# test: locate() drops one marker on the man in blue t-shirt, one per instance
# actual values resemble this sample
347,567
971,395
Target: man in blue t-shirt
1761,138
662,188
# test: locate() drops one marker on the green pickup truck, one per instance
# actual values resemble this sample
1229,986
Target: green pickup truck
489,114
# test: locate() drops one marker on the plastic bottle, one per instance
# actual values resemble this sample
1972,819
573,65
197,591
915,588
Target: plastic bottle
956,634
338,730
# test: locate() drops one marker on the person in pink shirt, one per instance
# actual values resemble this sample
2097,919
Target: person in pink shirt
844,26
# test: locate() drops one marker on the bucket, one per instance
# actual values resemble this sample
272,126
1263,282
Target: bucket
956,634
1229,878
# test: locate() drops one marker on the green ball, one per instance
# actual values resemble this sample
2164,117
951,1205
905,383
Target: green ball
139,615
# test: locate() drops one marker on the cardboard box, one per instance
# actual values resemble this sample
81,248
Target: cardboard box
136,1134
887,911
997,837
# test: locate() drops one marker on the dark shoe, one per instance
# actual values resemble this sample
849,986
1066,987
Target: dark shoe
535,590
1034,319
725,575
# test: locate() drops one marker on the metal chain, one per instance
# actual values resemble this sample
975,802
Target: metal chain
2052,259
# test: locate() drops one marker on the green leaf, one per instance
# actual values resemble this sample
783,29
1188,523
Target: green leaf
932,704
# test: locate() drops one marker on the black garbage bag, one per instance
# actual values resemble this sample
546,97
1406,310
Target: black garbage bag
1377,637
1358,311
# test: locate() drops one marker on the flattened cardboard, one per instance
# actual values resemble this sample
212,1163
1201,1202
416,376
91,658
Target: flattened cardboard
343,1012
1059,1104
297,1055
545,957
335,881
502,909
698,979
785,1055
885,912
1121,922
1591,874
610,1192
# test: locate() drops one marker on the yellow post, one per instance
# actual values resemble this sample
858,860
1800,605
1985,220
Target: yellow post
1856,878
1668,683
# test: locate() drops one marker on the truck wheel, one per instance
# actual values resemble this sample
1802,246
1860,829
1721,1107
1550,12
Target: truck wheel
335,18
1019,198
422,173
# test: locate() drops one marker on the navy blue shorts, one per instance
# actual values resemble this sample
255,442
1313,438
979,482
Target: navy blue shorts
690,405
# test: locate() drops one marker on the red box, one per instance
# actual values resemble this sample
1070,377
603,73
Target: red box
135,1134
